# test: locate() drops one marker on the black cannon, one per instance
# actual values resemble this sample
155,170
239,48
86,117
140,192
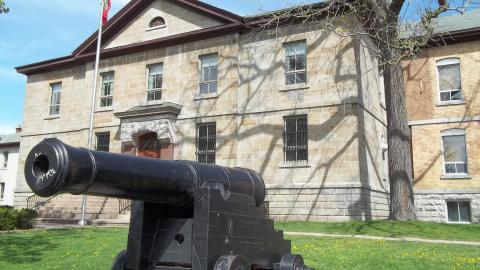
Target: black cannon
185,215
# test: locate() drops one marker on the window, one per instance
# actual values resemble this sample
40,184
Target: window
155,81
295,139
5,159
454,151
2,191
157,22
206,142
209,73
106,98
458,211
295,63
449,80
103,142
56,89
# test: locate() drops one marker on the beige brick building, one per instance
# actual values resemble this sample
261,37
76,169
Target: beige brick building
443,85
185,80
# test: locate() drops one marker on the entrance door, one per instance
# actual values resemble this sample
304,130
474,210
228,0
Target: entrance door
151,146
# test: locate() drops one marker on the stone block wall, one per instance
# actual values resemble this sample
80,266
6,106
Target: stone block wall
432,205
342,203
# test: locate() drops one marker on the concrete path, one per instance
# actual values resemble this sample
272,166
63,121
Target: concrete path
369,237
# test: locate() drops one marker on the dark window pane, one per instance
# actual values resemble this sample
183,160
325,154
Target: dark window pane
290,79
457,95
213,74
291,63
203,88
452,208
301,77
302,155
445,96
301,61
103,142
464,211
450,168
206,143
213,87
290,155
296,139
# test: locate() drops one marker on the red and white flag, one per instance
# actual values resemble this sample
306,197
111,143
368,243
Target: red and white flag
106,9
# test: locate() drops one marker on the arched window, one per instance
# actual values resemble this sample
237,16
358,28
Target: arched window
157,22
449,80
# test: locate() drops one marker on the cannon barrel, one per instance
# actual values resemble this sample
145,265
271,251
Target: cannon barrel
53,167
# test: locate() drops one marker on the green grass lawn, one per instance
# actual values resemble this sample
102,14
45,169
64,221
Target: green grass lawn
419,229
96,248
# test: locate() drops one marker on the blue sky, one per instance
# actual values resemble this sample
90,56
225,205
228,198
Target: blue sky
37,30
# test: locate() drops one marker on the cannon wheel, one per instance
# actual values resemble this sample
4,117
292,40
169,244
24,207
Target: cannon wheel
231,262
292,262
120,262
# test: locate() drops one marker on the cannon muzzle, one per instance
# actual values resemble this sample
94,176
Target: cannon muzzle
53,167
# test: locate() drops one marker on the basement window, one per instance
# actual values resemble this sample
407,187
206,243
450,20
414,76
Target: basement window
458,211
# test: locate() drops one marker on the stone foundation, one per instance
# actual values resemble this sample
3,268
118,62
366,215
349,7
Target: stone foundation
327,204
432,205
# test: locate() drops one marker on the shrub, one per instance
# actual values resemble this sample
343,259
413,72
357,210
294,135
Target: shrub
11,219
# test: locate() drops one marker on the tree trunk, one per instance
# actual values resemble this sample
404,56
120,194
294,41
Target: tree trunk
402,206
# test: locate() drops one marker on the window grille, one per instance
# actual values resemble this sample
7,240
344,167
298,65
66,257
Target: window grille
206,142
296,139
103,142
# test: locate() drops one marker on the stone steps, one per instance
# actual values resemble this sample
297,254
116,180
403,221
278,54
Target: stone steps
67,209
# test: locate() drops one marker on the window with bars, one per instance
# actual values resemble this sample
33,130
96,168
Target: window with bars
449,80
208,73
155,82
56,93
2,191
458,211
454,151
295,63
106,96
206,142
295,139
5,159
103,142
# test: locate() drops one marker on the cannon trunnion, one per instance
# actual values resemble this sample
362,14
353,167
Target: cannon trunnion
185,215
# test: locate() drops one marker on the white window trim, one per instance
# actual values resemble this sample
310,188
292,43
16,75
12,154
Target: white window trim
446,62
458,222
305,70
200,77
100,107
454,132
50,105
147,75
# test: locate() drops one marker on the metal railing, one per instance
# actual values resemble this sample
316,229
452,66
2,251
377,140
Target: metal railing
35,201
124,205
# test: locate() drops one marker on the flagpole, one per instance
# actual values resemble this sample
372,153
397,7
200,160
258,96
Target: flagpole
82,221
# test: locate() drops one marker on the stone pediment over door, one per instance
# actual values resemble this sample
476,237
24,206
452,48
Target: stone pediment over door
140,120
148,25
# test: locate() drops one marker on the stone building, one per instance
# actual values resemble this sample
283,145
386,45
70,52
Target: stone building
443,86
186,80
9,147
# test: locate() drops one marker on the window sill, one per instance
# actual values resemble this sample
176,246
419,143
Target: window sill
51,117
292,87
455,176
206,96
156,28
294,166
450,103
458,222
153,102
104,109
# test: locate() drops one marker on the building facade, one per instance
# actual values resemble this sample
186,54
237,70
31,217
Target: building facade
185,80
9,149
443,85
